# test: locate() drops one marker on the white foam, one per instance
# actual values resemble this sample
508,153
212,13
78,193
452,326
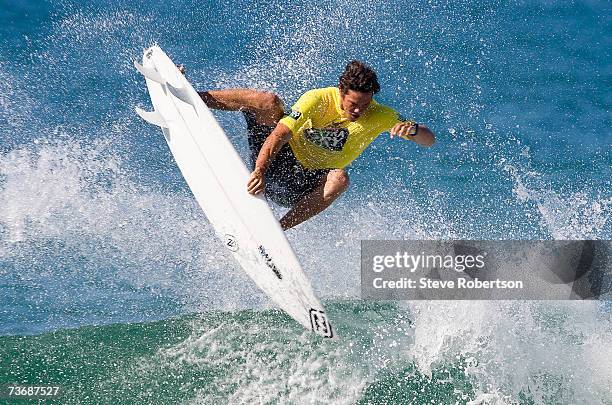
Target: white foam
574,215
255,368
85,198
544,349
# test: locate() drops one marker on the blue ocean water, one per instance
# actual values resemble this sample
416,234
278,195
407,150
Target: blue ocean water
113,284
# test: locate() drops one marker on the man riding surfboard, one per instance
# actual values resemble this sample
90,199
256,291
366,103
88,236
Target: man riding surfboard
299,158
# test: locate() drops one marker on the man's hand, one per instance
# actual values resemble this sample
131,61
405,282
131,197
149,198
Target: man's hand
256,182
404,130
418,133
273,143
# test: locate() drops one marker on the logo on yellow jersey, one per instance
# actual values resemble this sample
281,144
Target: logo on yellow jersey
294,114
331,138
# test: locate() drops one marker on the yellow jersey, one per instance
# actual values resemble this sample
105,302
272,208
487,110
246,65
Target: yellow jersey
322,138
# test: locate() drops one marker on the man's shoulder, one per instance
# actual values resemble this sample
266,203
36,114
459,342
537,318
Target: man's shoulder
381,111
318,100
322,92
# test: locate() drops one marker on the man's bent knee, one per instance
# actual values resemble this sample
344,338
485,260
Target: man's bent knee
269,108
270,102
339,179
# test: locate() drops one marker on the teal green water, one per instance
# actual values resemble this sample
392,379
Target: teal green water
264,357
196,357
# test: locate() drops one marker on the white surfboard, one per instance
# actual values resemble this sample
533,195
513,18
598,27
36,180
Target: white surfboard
217,177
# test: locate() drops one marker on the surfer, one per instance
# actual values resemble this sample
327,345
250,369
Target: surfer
299,158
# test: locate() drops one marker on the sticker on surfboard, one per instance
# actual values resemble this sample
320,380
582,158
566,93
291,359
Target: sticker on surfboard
319,324
270,262
231,243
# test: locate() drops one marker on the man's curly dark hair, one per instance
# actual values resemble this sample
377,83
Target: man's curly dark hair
358,76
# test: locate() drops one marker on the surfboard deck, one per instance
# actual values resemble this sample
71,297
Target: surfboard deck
217,176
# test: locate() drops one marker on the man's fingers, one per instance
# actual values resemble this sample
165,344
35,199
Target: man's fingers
252,185
255,185
394,130
402,131
255,189
399,132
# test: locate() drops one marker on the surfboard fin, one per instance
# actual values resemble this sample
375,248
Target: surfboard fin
149,73
181,93
152,117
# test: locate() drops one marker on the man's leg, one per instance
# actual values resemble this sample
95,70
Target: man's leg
267,107
332,186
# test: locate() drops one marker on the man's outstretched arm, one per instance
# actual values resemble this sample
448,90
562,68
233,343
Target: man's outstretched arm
274,142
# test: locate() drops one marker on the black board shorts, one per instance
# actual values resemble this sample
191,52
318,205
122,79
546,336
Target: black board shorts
286,180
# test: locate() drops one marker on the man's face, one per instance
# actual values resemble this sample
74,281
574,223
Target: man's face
354,103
